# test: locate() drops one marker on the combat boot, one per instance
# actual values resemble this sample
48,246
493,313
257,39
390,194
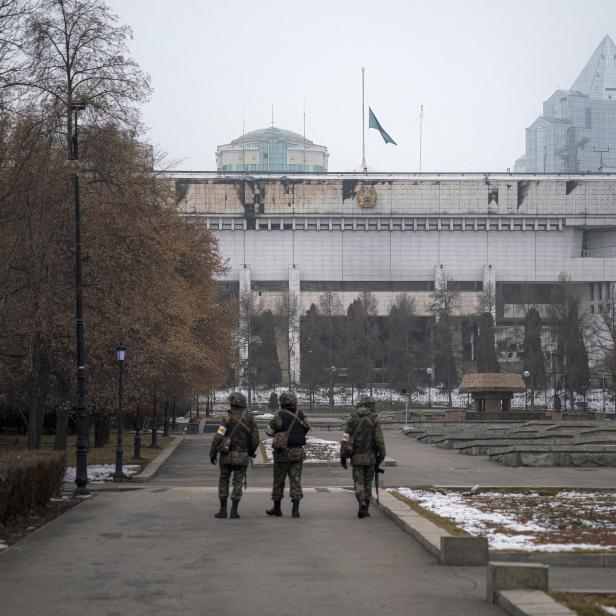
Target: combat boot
275,510
234,503
223,509
363,507
295,512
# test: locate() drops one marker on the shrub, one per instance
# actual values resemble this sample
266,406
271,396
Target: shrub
28,479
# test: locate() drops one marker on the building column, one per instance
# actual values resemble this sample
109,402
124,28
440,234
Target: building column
243,350
294,321
489,288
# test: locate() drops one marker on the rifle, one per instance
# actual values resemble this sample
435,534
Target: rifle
377,471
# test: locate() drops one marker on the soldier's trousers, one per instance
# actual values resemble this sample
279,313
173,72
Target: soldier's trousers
239,475
294,471
362,481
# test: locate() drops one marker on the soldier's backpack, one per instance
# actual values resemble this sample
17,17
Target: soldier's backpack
224,447
348,440
280,440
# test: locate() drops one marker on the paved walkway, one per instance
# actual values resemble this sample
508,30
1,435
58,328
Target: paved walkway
158,550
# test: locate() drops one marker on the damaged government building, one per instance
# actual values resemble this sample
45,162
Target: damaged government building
391,233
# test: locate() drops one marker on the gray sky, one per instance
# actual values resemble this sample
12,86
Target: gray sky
481,68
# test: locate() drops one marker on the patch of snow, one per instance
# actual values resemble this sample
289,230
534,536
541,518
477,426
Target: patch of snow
503,530
182,420
609,610
3,546
98,473
328,450
265,415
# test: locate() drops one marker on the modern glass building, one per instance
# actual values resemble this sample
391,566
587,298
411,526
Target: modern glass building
272,150
577,131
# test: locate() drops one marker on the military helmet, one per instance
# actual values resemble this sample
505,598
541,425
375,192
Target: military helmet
238,400
287,398
367,401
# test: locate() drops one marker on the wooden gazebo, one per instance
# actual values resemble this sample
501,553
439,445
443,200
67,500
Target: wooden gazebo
492,391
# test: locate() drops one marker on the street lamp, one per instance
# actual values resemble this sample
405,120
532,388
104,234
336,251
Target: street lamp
120,357
526,375
73,167
166,419
332,373
429,371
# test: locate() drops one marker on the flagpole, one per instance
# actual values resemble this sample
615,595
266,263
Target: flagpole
363,123
420,134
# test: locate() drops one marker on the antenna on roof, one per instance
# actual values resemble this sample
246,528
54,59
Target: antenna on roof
243,142
304,164
272,116
420,134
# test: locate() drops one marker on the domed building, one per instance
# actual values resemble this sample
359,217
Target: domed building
272,149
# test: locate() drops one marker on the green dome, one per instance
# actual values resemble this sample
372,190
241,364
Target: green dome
264,134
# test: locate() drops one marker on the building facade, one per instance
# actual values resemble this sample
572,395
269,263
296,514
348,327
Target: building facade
577,131
391,233
272,150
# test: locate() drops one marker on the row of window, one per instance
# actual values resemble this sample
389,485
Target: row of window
385,224
359,286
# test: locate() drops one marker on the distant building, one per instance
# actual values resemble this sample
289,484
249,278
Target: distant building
272,149
577,131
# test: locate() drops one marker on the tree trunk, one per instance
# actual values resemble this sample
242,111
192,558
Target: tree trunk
40,385
99,429
61,428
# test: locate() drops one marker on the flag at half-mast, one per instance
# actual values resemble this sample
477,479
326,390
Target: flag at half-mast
374,123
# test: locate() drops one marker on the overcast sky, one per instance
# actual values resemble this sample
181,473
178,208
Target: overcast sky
481,69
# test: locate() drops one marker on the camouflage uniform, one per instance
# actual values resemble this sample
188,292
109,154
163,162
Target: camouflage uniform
240,427
364,431
290,460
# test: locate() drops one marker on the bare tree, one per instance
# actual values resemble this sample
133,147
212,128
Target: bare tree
288,315
330,307
73,52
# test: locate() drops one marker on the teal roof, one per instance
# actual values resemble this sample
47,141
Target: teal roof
264,134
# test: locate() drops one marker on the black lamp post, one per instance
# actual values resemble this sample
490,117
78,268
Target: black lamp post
154,444
166,419
137,442
73,167
526,375
429,371
120,357
332,374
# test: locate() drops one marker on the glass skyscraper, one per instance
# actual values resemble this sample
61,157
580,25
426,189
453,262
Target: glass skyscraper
577,131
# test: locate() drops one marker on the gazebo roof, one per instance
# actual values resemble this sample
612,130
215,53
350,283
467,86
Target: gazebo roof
492,381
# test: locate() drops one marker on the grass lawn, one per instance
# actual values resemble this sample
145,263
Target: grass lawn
96,455
586,604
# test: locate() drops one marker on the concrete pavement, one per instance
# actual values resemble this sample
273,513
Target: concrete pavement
159,550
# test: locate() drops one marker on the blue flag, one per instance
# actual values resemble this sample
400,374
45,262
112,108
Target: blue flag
374,123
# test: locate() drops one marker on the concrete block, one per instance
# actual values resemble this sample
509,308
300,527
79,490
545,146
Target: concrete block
530,603
515,576
464,551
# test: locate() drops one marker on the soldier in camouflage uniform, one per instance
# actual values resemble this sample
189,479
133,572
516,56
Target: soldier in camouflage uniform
288,461
236,441
363,437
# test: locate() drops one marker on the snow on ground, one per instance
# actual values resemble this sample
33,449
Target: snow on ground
609,610
344,396
3,546
566,521
317,449
182,420
265,415
98,473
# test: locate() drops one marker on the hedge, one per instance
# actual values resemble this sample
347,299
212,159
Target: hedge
28,479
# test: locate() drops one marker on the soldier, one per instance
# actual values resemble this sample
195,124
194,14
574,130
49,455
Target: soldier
237,439
363,442
288,460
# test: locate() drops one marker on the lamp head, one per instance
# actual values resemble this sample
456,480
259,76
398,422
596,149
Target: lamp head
120,353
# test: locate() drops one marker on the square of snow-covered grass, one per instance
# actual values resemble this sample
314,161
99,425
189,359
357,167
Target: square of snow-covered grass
317,450
536,520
